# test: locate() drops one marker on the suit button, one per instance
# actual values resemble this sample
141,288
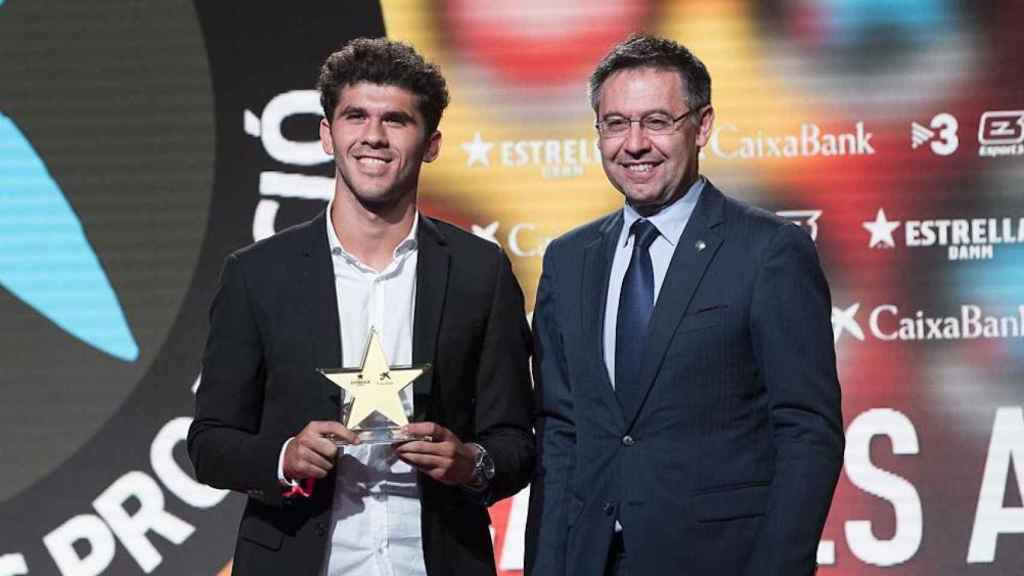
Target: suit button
320,528
609,508
627,440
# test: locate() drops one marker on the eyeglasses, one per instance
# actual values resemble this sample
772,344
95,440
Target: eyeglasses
653,123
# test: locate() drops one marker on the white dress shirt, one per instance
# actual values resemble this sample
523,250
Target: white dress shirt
670,222
376,509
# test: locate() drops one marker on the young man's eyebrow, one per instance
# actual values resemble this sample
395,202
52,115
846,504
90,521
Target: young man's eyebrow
351,109
400,116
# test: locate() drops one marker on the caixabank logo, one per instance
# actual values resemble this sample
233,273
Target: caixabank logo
810,140
893,323
121,190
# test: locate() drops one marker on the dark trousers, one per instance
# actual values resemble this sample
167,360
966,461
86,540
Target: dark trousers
617,564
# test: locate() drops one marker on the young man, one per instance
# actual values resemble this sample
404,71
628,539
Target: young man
684,367
309,297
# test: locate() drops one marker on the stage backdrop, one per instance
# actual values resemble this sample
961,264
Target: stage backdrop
140,142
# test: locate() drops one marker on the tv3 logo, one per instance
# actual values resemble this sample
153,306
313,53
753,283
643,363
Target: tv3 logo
940,134
1002,127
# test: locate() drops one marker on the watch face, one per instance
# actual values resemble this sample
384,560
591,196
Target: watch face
487,464
483,464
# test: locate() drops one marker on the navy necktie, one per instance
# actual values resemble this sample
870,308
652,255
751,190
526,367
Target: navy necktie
636,301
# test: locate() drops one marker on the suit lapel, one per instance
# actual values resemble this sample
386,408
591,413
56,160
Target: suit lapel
597,264
696,248
431,284
321,306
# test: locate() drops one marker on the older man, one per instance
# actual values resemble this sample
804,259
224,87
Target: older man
689,410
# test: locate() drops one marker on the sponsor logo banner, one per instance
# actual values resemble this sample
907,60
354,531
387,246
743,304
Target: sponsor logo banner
1001,133
940,134
525,239
889,323
730,142
552,158
960,238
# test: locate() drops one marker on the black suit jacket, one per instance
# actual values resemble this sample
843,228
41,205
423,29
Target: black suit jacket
274,320
728,463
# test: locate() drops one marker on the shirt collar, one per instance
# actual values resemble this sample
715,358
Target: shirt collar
408,244
670,220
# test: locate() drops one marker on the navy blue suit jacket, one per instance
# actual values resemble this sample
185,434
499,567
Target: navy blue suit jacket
728,464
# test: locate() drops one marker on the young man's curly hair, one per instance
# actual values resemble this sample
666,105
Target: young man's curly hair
387,63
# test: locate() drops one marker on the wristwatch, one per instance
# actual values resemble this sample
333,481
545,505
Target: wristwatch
483,468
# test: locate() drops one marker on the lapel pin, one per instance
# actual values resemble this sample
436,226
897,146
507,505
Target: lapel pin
700,245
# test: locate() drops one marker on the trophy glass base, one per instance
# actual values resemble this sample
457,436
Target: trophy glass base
372,436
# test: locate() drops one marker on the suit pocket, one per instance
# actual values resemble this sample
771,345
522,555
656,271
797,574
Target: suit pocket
255,529
703,318
731,502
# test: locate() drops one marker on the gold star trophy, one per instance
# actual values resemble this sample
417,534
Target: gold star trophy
371,400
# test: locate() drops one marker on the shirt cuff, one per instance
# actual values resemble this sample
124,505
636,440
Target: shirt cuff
291,488
280,466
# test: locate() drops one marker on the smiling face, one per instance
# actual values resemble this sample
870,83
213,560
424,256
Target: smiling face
651,170
378,139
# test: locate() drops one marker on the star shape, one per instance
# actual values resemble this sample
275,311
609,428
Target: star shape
881,231
845,319
375,386
487,232
478,151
